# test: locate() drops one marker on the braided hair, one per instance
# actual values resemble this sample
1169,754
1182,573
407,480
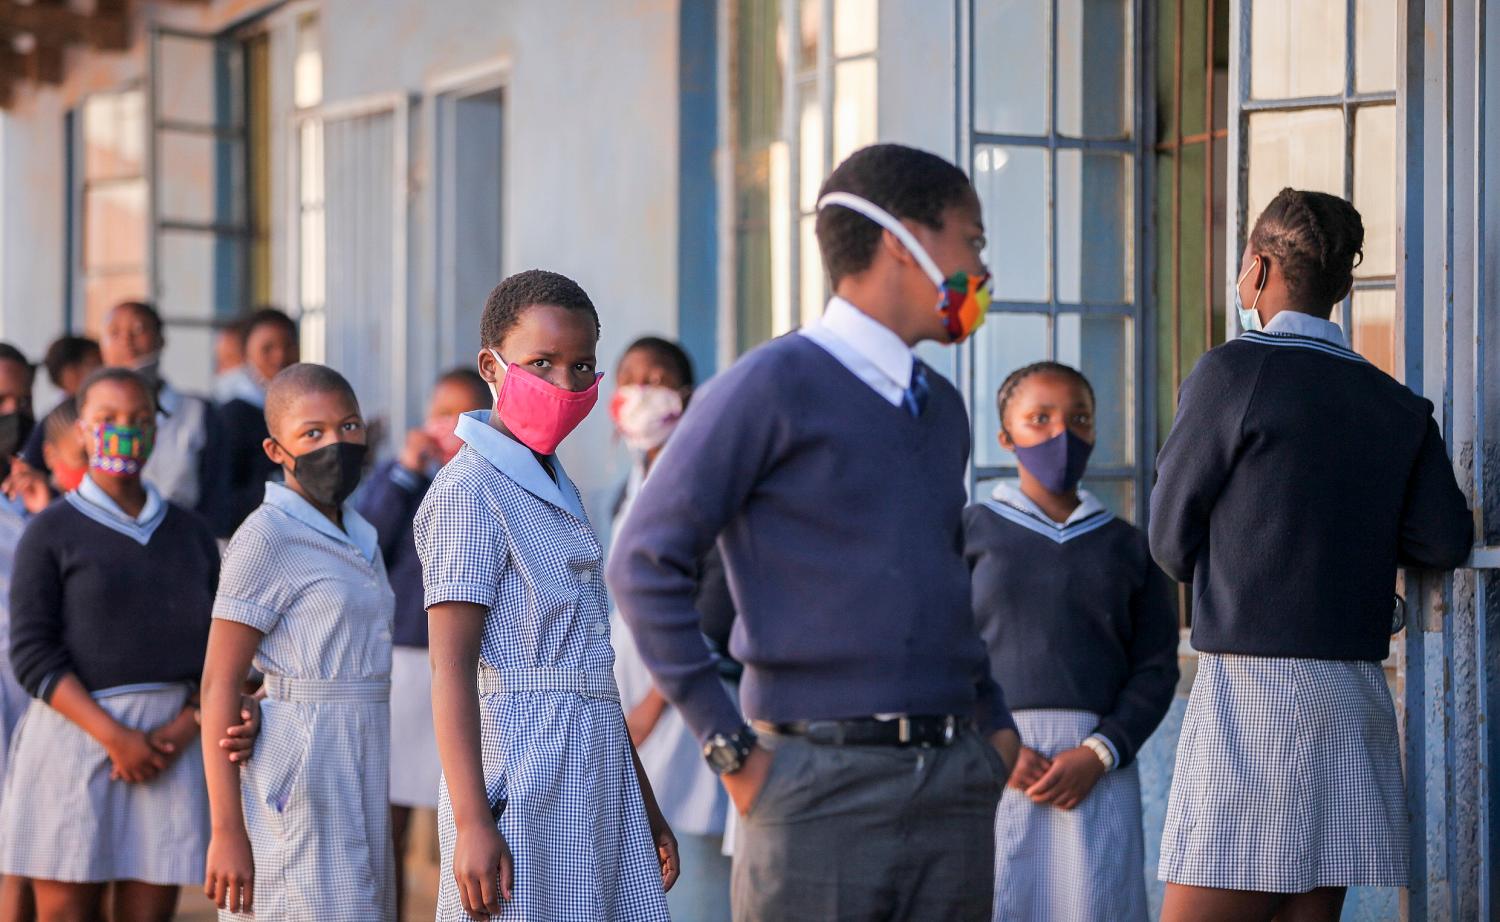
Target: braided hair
1317,239
1013,381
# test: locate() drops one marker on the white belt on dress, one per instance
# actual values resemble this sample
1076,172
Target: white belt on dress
590,683
322,691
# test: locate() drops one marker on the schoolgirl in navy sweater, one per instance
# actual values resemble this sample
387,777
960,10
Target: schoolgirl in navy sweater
1295,481
1081,629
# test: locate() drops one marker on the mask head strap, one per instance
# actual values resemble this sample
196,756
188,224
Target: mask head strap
882,217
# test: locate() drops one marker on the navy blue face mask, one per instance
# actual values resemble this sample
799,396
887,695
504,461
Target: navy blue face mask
1057,463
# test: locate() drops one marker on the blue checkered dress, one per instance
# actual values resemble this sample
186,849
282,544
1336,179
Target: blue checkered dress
495,530
316,792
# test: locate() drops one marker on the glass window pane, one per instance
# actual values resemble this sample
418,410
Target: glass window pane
188,190
1375,187
188,275
114,226
810,144
1193,273
1118,496
1166,69
189,362
1095,238
1304,150
1373,331
1297,48
1375,52
102,292
1010,66
1012,186
1094,85
114,135
855,26
853,107
1103,348
1194,73
185,80
1005,342
812,298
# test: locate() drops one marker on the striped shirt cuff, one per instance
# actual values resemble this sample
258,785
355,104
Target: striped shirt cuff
1106,750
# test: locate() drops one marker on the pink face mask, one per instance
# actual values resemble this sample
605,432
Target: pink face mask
540,414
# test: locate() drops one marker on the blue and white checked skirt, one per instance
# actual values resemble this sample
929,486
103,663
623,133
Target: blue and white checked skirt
1288,779
1076,865
13,704
63,819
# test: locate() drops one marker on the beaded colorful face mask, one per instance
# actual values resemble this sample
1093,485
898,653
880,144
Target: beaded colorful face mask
963,299
121,450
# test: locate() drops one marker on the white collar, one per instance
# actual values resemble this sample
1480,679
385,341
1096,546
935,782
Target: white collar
873,340
356,531
1296,323
517,462
91,500
1009,493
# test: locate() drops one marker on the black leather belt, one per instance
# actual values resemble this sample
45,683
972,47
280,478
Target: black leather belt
871,731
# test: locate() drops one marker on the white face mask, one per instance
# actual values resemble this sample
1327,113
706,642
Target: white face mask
1249,317
645,414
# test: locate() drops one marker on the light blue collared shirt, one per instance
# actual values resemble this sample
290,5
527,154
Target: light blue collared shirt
356,531
1010,493
865,346
1300,324
91,500
517,462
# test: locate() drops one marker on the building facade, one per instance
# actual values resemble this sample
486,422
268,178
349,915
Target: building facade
375,167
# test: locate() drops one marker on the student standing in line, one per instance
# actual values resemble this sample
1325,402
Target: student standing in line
546,812
653,383
69,362
390,503
105,784
270,342
1081,626
1296,479
302,830
16,376
830,467
229,360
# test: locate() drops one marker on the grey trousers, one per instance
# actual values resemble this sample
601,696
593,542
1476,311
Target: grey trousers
870,833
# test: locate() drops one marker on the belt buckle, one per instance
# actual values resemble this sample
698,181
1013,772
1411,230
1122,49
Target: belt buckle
950,729
903,730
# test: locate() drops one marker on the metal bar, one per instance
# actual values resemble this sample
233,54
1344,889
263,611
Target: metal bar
1317,102
1062,307
1059,142
213,131
203,227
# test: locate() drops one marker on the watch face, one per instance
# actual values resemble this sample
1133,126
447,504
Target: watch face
723,756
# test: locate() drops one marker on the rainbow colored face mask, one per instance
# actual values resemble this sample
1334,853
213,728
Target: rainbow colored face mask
963,299
121,450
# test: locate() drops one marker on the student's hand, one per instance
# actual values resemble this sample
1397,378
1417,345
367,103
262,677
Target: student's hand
27,485
1030,767
170,739
134,759
1008,743
1070,779
239,740
643,718
666,848
483,868
744,785
420,450
229,875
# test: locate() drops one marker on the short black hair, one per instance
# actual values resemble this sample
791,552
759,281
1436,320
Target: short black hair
147,310
302,378
668,353
9,353
904,181
468,377
60,419
67,351
1317,239
1013,381
510,298
119,376
267,316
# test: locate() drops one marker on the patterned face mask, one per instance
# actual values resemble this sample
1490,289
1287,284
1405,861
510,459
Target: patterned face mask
121,450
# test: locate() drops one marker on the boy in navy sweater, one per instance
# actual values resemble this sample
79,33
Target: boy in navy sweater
1295,481
830,467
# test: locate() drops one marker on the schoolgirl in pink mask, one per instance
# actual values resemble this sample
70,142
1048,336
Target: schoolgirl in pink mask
544,811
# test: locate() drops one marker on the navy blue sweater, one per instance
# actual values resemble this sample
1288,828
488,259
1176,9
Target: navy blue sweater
246,466
1075,618
1295,481
390,503
838,517
88,600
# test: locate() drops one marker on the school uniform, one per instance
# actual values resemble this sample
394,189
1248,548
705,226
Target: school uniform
13,698
1295,481
829,466
389,502
495,530
315,794
1081,628
87,599
247,468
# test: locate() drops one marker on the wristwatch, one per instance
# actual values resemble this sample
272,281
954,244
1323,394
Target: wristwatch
727,754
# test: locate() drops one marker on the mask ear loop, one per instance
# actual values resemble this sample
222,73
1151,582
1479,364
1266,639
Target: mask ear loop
1257,265
882,217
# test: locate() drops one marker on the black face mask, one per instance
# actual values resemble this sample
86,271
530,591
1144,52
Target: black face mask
329,474
14,429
